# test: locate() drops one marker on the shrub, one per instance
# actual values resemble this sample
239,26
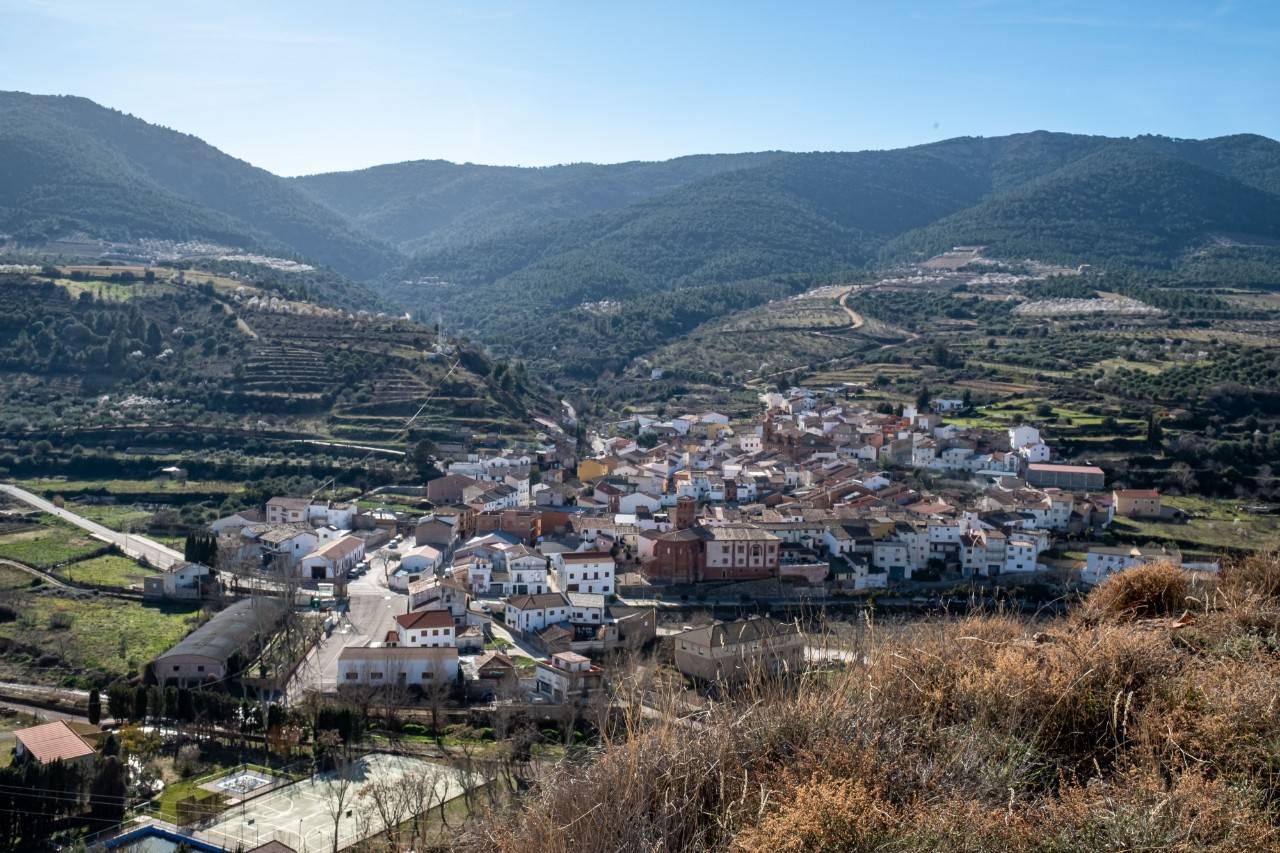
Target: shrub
1097,731
187,762
1156,589
1257,574
824,814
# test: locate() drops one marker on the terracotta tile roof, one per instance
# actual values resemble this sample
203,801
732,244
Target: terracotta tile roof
1138,493
1065,469
52,741
425,619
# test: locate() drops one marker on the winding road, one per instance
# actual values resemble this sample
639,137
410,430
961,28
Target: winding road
855,319
138,547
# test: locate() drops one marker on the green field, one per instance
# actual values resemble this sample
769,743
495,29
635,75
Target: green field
47,545
114,291
11,578
1002,414
92,639
115,516
54,486
1213,524
107,570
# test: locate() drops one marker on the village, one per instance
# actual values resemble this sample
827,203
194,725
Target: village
533,583
521,577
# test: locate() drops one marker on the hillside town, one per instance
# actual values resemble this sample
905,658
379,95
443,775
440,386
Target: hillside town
817,499
531,583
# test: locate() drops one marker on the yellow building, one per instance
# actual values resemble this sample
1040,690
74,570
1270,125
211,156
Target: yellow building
593,469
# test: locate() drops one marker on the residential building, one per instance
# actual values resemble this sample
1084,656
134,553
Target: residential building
286,510
332,560
531,613
568,677
181,581
734,651
584,571
422,559
1137,503
1103,561
425,668
423,629
50,742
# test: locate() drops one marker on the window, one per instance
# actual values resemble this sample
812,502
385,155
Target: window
200,669
352,676
375,676
428,676
176,667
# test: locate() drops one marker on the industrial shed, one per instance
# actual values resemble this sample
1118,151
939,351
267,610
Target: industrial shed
203,656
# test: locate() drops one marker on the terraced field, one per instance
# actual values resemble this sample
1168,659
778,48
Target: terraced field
286,369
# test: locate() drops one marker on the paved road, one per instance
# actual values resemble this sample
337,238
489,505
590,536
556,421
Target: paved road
372,609
138,547
522,647
36,573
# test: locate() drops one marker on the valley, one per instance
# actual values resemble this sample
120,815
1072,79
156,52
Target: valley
527,474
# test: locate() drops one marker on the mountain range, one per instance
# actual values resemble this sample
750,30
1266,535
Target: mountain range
528,257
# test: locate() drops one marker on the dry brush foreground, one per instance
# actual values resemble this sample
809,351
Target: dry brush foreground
1149,718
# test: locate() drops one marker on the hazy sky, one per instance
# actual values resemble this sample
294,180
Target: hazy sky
314,86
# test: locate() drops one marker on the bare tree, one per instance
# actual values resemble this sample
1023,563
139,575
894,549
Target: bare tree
390,800
339,783
421,789
436,693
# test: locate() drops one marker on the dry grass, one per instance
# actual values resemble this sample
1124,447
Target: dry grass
1158,589
1148,719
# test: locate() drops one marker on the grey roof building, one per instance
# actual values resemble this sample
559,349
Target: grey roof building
204,654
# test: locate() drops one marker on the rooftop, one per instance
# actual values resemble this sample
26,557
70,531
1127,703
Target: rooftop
53,741
1065,469
419,619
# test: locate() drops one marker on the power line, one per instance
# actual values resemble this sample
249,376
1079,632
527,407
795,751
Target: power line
403,430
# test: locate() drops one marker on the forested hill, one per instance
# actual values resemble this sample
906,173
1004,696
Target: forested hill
68,165
430,204
1046,195
554,264
1131,202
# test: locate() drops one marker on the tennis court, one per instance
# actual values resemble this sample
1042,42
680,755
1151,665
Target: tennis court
299,814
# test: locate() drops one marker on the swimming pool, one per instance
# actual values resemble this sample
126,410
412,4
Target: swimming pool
153,839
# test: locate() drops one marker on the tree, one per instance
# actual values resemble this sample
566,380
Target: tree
95,706
421,789
109,789
339,783
154,340
1155,432
940,355
923,398
390,800
422,456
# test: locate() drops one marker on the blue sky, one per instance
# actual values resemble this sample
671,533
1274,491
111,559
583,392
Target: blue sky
316,86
